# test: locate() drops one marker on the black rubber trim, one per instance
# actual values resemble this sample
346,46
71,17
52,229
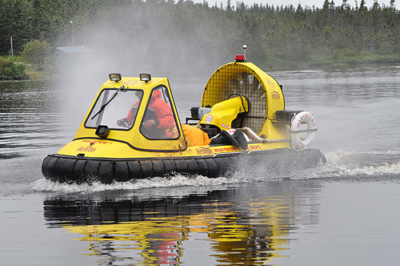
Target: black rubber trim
169,165
121,171
158,167
135,171
147,168
106,172
72,169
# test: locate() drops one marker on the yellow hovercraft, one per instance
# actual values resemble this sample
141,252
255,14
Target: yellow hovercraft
126,136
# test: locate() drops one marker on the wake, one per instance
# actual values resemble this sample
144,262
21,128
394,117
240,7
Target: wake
340,164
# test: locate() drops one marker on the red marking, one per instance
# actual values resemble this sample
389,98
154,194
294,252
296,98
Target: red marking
255,147
97,142
276,95
306,116
230,149
86,149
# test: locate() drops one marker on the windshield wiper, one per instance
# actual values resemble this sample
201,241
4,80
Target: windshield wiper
104,105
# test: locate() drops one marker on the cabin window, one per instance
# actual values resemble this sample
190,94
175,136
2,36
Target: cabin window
159,121
115,109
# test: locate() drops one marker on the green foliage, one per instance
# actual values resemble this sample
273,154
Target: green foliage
36,52
284,35
4,63
11,71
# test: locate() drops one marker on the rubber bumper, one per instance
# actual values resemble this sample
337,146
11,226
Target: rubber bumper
79,170
70,170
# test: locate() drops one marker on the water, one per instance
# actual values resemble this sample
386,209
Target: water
340,213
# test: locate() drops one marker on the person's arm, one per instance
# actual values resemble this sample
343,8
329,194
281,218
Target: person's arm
164,114
130,116
166,122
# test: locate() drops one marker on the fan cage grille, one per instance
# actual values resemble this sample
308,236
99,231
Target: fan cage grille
228,82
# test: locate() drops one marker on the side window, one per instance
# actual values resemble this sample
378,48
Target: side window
159,119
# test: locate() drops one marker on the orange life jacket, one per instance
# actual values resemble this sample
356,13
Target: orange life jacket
195,136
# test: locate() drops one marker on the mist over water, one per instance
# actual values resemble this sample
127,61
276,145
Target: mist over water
149,39
138,39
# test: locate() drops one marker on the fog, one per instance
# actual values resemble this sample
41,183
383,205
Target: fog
150,39
132,41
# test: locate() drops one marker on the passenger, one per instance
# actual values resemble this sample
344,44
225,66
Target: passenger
165,119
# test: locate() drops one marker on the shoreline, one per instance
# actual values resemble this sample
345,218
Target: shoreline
36,75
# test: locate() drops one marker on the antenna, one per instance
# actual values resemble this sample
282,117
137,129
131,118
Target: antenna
244,48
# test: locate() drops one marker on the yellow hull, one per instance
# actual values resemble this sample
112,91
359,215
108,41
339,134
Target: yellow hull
108,149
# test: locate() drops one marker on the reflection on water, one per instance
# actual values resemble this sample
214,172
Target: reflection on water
25,113
27,109
248,225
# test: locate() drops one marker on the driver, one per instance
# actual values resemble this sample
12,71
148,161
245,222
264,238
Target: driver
162,110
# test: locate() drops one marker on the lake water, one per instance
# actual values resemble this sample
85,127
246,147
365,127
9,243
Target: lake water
345,212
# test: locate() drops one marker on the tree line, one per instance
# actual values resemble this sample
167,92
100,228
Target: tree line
276,35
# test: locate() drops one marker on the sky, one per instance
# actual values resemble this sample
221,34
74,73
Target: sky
310,3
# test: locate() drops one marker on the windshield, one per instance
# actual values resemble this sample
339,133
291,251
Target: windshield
126,102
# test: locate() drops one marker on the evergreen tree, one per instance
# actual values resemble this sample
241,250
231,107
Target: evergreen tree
291,34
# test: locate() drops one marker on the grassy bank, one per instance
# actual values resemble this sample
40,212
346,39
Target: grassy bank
12,68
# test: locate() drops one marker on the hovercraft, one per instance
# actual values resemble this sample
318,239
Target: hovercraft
133,131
